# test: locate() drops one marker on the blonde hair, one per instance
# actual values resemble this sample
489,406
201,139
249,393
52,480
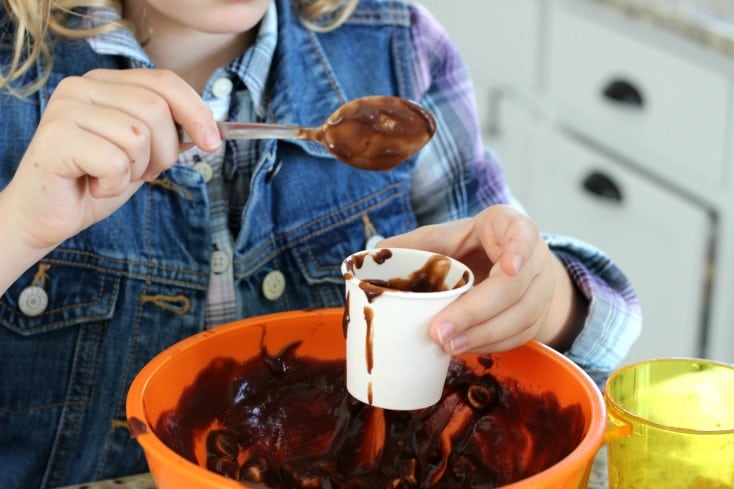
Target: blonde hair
36,22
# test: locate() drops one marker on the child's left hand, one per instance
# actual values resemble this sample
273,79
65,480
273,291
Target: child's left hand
522,291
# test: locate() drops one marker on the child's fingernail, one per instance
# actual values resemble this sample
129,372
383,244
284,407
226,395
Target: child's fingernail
458,343
516,262
444,332
213,139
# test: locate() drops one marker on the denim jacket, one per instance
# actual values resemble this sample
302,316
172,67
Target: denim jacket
126,288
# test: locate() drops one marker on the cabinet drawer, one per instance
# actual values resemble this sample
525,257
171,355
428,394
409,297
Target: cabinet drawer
659,239
679,125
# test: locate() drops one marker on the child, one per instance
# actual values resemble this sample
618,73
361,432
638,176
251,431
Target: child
118,242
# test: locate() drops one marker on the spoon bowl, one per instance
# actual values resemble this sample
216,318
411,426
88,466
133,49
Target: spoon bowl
376,132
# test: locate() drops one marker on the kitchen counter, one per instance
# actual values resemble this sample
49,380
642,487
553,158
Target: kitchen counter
708,22
597,479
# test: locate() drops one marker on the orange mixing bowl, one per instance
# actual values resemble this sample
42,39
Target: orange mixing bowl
160,383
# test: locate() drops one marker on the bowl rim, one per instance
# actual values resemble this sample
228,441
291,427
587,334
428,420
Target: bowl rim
154,447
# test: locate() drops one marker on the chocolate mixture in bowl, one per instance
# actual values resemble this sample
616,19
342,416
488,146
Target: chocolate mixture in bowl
286,421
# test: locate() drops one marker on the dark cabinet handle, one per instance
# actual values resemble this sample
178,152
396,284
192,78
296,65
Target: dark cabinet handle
602,186
624,93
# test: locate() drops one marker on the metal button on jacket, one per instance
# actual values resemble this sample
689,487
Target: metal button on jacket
273,285
222,87
220,261
33,300
205,170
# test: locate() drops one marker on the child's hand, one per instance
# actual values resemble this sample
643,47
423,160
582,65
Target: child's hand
522,291
101,136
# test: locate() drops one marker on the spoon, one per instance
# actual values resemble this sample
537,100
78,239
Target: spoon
377,132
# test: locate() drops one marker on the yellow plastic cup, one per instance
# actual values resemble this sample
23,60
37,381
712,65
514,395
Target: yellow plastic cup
671,425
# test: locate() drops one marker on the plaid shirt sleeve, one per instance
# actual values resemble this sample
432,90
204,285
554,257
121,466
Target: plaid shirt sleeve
457,176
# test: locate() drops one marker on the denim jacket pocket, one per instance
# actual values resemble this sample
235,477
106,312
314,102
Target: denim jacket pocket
53,327
52,296
59,314
320,252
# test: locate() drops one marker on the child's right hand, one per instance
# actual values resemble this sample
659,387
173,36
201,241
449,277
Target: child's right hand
100,138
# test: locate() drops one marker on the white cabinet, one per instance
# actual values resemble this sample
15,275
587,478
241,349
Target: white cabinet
664,111
650,111
658,237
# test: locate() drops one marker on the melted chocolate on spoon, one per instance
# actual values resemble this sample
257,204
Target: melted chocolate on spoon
374,133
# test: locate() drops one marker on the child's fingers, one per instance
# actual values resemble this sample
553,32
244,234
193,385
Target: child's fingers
183,103
508,236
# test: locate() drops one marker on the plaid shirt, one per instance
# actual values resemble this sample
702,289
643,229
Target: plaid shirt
613,321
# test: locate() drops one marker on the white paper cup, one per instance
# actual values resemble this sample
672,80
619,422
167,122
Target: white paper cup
391,361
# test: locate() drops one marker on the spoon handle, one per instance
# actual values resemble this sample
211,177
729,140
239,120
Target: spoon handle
250,130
